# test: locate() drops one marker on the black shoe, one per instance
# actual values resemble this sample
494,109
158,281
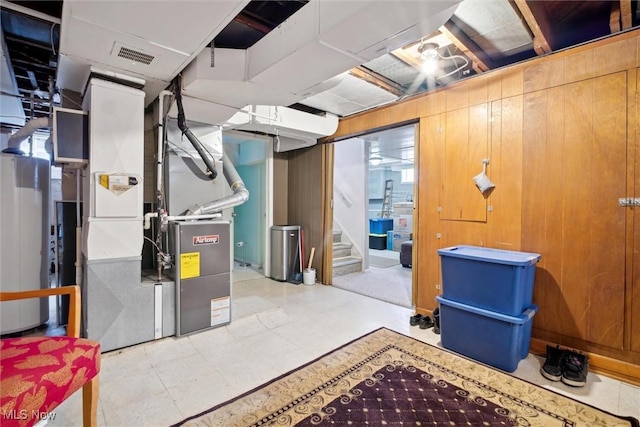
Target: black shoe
554,364
575,370
436,320
425,322
415,319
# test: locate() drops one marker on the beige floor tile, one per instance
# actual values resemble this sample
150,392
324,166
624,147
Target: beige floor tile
275,328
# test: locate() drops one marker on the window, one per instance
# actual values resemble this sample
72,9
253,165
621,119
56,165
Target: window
407,176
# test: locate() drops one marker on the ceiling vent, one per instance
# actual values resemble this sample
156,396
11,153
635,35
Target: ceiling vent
131,54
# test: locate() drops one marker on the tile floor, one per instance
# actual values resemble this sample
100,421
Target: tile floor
275,328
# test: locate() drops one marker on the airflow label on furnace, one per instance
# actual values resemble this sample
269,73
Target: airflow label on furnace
189,265
118,183
220,310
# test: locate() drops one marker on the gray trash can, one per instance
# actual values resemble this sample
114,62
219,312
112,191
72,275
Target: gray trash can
285,246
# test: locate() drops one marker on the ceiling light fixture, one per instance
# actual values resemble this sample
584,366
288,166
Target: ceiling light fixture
428,51
430,57
375,159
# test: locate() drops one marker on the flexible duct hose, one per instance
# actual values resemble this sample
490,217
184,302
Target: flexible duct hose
27,130
239,196
182,124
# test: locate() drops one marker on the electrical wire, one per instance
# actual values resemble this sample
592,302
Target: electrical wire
154,244
53,48
453,58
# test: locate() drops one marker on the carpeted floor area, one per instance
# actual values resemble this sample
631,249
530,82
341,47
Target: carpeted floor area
386,378
391,284
383,262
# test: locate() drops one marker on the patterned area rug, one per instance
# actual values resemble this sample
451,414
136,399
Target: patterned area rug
385,378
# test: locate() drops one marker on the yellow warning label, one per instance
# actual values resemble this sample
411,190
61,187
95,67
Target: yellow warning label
104,181
190,265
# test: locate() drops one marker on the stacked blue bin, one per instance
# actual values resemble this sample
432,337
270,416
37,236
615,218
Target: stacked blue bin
378,228
486,309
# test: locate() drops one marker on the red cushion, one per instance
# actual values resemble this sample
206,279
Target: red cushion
39,373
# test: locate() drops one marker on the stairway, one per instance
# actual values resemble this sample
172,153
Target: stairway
343,261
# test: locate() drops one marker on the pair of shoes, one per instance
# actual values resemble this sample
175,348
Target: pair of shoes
425,322
415,319
569,366
436,320
575,369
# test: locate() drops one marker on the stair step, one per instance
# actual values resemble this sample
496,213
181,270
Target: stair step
346,260
341,249
346,265
337,236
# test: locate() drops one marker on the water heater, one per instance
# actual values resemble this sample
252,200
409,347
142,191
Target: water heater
24,239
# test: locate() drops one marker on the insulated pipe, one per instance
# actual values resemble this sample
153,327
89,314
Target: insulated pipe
239,196
192,217
182,124
27,130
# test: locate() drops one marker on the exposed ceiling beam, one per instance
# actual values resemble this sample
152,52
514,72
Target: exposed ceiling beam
480,61
407,58
536,18
21,41
33,64
30,12
614,18
625,14
246,18
375,79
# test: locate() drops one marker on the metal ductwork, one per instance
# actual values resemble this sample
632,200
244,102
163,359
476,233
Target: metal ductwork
239,196
27,130
280,69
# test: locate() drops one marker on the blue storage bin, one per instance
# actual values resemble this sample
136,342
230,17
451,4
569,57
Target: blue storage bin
380,225
484,335
492,279
378,241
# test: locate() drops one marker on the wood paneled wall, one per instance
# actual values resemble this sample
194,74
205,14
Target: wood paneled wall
306,193
561,135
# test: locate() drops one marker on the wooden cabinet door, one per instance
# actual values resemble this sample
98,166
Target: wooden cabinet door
575,140
633,292
466,145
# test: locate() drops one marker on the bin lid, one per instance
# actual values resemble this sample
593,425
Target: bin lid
285,227
520,319
497,256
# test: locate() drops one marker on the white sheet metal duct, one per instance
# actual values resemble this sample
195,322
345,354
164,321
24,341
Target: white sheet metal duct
27,130
291,128
323,39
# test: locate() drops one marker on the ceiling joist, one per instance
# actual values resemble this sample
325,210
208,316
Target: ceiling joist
535,16
407,58
480,61
625,14
375,79
614,18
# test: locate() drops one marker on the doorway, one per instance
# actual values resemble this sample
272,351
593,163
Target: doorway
371,226
251,158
